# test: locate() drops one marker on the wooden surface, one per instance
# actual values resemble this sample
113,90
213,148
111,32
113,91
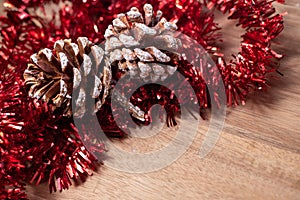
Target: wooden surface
256,157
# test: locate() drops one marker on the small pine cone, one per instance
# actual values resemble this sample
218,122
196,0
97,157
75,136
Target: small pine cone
143,46
59,77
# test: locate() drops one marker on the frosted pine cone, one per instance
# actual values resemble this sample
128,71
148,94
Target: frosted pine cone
143,46
57,78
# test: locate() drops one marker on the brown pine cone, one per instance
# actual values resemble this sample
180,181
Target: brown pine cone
143,46
59,77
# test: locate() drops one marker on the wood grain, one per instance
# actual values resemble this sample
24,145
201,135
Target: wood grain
256,157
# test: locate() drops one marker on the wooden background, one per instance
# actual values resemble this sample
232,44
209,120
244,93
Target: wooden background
256,157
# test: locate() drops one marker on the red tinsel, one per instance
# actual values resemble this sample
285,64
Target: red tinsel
255,59
36,145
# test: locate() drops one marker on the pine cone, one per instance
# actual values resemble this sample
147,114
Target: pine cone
57,78
145,47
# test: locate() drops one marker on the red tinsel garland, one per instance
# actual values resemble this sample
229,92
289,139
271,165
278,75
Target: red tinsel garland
36,145
255,59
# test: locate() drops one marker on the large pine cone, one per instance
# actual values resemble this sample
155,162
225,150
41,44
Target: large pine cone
57,78
145,47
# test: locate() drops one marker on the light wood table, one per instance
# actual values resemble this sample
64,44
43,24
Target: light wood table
256,157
